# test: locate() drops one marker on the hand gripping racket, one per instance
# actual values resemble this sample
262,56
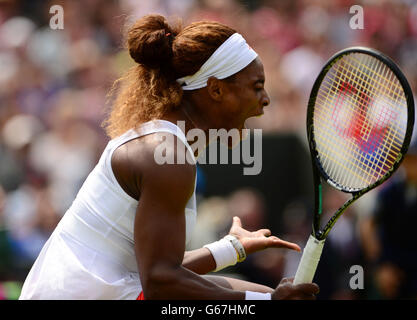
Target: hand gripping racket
360,120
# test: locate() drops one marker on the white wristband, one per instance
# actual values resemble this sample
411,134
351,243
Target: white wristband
223,253
238,247
252,295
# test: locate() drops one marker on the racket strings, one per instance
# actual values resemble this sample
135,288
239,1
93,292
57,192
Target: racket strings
357,95
353,166
364,101
382,117
359,120
385,116
360,168
382,76
391,115
369,87
394,95
377,168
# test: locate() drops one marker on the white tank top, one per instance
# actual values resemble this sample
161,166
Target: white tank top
90,255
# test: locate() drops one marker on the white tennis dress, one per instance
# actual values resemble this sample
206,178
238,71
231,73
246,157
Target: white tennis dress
90,255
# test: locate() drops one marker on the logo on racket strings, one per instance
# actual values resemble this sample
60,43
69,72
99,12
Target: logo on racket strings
353,120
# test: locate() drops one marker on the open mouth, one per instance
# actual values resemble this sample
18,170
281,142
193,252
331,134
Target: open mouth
256,113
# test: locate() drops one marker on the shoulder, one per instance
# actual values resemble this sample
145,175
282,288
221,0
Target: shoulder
155,161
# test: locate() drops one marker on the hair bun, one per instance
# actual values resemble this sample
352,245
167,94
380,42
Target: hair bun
150,41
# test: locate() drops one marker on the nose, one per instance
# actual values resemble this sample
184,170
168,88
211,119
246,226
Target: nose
265,100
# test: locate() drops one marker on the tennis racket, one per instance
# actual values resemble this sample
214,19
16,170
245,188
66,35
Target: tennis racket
360,120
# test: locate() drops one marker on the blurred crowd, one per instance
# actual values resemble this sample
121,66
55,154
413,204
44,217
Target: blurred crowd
53,86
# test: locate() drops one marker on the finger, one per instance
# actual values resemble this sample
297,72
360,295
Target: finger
308,288
264,232
285,280
237,222
278,243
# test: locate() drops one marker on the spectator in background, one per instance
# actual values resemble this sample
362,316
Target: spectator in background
390,234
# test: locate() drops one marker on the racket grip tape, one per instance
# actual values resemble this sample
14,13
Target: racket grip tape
309,261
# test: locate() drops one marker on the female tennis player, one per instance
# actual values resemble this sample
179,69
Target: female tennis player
124,236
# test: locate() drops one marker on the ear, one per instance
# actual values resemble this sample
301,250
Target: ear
215,89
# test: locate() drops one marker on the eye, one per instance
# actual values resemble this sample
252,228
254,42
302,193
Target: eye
259,86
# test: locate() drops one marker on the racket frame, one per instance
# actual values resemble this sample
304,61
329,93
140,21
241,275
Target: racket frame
318,171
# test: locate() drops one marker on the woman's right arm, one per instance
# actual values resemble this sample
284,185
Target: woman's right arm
159,233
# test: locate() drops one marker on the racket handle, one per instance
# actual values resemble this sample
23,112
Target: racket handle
309,261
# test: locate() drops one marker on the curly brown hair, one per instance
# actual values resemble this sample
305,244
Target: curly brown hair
163,53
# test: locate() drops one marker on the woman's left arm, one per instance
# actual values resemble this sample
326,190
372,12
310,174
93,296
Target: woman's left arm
201,260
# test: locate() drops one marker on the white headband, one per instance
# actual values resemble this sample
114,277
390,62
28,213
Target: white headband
231,57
